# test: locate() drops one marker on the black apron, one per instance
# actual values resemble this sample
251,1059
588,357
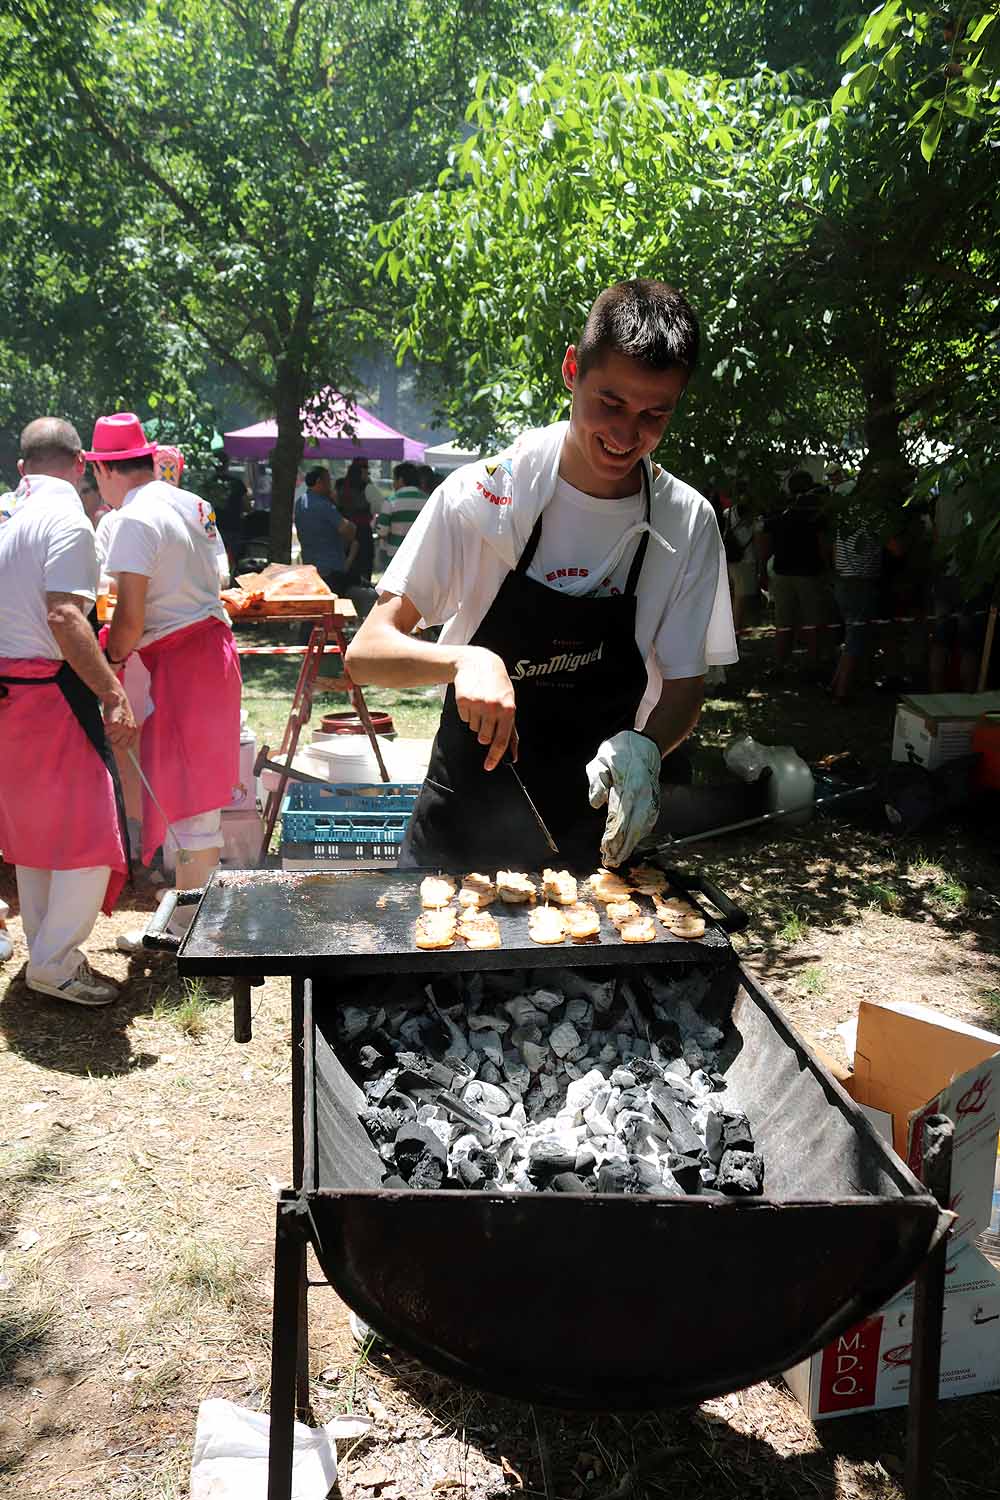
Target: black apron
578,678
85,707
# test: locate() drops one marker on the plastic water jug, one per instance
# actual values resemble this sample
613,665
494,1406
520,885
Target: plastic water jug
790,787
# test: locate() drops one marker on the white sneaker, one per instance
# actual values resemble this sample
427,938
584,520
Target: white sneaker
131,941
83,988
364,1334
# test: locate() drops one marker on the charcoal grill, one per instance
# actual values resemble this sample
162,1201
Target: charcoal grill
599,1302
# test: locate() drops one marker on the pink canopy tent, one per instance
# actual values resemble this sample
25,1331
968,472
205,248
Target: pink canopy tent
324,439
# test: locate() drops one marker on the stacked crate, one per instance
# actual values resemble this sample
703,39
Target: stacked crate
356,824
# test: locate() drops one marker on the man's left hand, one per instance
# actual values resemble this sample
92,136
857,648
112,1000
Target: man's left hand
625,774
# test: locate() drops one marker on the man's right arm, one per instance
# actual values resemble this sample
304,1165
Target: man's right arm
387,654
79,647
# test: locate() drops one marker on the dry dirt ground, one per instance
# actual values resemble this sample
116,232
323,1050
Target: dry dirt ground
141,1149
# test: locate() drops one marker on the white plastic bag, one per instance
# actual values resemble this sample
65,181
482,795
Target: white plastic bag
230,1453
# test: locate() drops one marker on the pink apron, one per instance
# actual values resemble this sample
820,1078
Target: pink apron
57,799
191,740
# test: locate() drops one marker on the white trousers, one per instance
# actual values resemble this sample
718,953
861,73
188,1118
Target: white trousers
203,831
59,909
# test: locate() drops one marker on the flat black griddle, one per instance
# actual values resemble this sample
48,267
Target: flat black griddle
362,922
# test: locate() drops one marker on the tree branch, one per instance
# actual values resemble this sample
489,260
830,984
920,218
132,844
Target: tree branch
254,380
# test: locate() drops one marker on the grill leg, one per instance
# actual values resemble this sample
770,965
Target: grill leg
928,1310
298,1164
286,1331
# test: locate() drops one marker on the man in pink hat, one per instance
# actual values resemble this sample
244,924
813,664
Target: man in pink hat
60,707
162,552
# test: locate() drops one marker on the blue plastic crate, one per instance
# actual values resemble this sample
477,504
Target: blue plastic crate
332,825
362,796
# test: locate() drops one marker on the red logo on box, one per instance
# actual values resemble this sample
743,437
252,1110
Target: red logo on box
849,1368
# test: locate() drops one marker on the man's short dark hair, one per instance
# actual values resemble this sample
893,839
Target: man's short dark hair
427,479
313,476
130,465
405,473
50,439
645,320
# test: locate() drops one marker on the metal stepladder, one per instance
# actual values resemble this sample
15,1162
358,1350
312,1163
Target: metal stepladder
327,636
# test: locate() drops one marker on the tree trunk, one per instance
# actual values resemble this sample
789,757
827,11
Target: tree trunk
882,478
286,455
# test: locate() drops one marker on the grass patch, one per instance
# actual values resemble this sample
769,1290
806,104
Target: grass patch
205,1272
792,926
187,1011
25,1330
812,980
991,1000
884,897
950,893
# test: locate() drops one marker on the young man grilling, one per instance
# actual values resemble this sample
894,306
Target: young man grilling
583,594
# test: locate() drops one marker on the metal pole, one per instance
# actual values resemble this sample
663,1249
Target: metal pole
289,1243
298,1040
928,1311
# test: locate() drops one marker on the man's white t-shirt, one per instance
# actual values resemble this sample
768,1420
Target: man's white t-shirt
46,547
684,623
169,536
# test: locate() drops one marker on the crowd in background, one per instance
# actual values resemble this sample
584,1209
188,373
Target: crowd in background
839,589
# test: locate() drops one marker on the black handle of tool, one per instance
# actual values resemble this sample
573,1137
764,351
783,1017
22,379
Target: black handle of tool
734,918
156,935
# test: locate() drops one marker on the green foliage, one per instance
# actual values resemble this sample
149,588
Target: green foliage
848,290
946,64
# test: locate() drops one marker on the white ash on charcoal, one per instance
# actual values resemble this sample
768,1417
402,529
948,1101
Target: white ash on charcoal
551,1080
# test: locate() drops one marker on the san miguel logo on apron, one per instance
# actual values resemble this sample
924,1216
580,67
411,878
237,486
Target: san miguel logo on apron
566,662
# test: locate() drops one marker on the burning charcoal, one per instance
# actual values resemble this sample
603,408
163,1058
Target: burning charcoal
489,1165
736,1133
693,1055
522,1034
489,1072
563,1038
716,1079
616,1177
421,1158
534,1055
580,1012
569,1182
546,1000
417,1086
686,1172
597,1121
460,1110
548,1157
579,1054
709,1173
678,1067
487,1096
548,1084
470,1174
369,1058
582,1093
427,1173
516,1073
354,1022
683,1135
643,1070
381,1124
586,1161
608,1053
741,1174
402,1104
377,1089
489,1043
523,1012
681,1088
572,1069
489,1022
646,1178
624,1079
517,1115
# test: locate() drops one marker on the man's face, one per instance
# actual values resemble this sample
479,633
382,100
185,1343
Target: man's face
322,485
621,409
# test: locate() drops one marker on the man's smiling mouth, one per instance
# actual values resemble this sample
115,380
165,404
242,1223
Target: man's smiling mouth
613,452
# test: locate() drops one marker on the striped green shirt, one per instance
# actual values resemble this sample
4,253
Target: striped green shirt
396,517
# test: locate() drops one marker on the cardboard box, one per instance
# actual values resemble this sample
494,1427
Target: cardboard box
910,1062
868,1367
938,727
242,833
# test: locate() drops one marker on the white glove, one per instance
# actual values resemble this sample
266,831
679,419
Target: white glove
625,774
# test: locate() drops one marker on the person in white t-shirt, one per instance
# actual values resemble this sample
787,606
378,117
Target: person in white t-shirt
61,707
583,593
163,551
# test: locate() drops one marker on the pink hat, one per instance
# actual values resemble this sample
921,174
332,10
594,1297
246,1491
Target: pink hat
119,436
